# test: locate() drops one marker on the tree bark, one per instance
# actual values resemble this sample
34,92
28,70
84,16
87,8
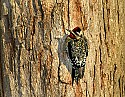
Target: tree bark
32,60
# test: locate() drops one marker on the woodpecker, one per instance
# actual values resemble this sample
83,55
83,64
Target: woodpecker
77,50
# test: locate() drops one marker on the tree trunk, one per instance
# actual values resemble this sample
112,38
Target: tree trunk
32,61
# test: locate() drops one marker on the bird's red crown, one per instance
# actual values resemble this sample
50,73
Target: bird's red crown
76,29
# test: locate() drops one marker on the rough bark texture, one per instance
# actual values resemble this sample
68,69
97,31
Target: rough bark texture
31,34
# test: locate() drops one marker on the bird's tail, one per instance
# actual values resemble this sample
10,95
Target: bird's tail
81,71
77,73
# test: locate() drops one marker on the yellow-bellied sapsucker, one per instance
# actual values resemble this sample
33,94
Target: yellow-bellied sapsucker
77,52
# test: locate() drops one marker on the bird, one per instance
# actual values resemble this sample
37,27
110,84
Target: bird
77,52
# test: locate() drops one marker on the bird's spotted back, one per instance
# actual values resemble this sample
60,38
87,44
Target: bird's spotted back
78,51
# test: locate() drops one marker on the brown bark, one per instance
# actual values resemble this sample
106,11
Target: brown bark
32,61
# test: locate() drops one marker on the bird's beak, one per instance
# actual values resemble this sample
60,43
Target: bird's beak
70,31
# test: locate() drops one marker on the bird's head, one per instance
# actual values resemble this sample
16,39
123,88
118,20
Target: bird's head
75,33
